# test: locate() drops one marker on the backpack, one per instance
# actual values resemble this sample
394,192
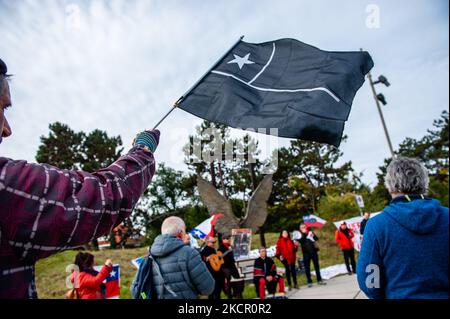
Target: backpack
143,286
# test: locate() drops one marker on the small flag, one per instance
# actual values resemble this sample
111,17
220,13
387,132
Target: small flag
112,283
138,261
314,221
288,85
206,228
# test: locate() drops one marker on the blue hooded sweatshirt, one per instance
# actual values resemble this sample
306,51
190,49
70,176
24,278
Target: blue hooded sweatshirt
406,247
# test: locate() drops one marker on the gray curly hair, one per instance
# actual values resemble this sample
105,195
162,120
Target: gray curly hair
406,176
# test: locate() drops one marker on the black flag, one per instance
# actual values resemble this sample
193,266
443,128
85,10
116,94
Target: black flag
302,91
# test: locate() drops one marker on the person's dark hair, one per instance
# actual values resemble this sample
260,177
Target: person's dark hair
281,233
4,76
3,67
84,261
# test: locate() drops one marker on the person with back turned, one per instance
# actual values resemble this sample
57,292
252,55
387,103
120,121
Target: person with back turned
404,254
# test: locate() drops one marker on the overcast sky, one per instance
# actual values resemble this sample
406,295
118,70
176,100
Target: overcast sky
120,65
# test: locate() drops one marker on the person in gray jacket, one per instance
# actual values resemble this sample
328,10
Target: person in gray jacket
184,274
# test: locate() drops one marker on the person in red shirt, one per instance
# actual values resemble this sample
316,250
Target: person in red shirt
87,281
344,237
286,253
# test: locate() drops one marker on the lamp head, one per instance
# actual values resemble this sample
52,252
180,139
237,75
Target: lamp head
381,98
384,80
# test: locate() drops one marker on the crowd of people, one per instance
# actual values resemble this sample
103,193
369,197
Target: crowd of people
219,266
44,210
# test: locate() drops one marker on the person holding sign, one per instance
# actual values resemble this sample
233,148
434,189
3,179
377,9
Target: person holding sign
309,245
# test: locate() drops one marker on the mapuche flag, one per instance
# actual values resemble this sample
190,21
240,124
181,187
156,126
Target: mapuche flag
304,92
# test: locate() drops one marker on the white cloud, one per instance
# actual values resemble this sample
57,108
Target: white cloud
126,62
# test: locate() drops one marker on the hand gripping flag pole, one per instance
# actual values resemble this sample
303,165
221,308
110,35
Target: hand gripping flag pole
196,83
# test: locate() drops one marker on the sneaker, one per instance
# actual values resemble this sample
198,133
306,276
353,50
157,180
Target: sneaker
322,283
296,286
350,273
309,285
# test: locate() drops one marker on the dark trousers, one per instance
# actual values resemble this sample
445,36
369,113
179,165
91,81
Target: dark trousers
217,287
307,257
290,271
237,288
349,258
227,286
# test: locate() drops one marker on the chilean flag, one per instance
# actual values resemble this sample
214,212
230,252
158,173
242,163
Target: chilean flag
112,283
206,228
314,221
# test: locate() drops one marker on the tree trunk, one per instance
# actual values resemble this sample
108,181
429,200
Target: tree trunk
222,182
262,238
112,240
212,171
251,168
94,244
314,200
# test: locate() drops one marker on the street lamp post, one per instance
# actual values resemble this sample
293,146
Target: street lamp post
380,98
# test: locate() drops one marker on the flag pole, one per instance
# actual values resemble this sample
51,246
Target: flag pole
176,104
380,112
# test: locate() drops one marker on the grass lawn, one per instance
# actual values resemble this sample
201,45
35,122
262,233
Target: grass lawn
51,272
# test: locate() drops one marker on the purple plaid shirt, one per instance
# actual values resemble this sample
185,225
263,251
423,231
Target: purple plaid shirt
44,210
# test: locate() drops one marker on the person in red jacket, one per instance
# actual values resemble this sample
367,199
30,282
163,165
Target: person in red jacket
344,237
286,253
87,281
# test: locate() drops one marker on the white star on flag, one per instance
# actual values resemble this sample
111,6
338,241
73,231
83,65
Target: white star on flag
198,233
241,61
112,274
